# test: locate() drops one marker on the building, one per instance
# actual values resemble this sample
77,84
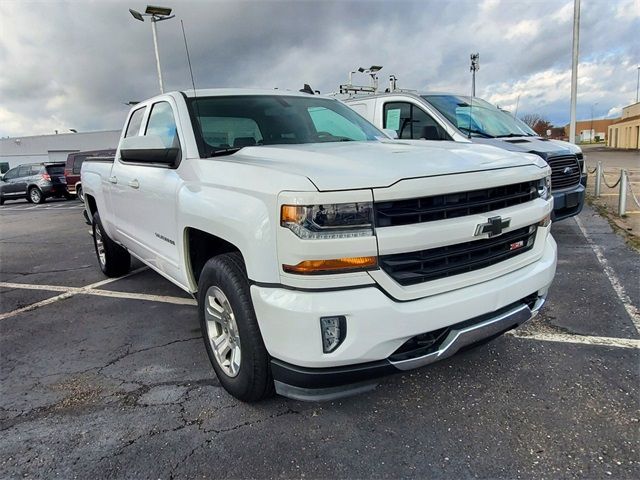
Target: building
592,130
625,132
53,148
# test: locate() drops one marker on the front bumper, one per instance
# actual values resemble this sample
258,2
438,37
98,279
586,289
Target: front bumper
377,325
568,203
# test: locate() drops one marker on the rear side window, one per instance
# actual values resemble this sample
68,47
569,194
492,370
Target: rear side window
162,123
134,123
24,171
77,163
36,169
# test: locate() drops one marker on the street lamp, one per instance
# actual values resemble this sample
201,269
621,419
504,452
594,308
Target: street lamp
157,14
591,132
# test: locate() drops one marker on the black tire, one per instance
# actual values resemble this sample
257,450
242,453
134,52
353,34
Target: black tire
116,260
80,193
68,196
1,200
253,381
35,195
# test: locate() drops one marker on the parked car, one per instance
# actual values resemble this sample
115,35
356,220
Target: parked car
36,182
415,115
322,253
74,165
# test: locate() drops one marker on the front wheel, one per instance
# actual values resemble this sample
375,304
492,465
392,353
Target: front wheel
113,259
230,329
80,193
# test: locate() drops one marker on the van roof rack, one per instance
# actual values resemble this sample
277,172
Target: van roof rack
354,90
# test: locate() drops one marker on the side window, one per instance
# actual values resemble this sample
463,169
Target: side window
36,169
162,123
411,122
397,116
134,123
77,163
332,124
24,171
13,173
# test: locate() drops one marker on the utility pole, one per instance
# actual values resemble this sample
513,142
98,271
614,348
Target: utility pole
574,69
638,85
475,66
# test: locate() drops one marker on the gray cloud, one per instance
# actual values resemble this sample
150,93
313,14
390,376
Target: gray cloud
75,64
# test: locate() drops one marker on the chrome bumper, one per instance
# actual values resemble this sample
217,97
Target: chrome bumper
459,338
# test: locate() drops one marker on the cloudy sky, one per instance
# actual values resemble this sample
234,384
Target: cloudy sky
75,64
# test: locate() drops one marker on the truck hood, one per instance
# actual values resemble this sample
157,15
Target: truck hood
356,165
536,145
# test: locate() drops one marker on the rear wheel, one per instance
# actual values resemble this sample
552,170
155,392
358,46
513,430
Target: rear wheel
80,193
113,259
230,329
35,195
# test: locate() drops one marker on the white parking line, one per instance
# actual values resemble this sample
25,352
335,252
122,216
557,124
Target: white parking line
611,275
69,292
578,339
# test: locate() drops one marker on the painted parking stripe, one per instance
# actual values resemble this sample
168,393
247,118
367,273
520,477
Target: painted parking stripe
70,292
631,309
579,339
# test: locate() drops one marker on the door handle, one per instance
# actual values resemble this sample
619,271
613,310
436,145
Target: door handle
113,179
134,184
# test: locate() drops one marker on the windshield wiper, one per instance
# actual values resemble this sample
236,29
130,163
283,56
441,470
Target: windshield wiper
472,130
225,151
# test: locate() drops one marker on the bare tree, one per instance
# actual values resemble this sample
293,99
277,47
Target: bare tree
538,123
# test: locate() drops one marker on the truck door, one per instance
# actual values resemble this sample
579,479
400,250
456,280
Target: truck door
144,197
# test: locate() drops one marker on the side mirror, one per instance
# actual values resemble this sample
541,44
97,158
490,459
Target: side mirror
148,149
391,133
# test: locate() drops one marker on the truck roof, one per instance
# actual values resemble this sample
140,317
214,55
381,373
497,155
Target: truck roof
215,92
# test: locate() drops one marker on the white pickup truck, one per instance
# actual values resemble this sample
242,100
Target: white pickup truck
322,253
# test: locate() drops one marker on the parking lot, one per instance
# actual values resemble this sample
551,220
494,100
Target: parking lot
109,378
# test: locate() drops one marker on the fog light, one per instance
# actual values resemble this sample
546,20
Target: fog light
334,330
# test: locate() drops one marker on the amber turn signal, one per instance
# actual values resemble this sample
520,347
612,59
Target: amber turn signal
338,265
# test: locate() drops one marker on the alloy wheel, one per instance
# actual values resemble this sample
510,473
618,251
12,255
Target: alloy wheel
222,331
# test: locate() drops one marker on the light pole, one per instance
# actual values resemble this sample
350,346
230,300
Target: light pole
157,14
475,66
638,85
574,70
591,132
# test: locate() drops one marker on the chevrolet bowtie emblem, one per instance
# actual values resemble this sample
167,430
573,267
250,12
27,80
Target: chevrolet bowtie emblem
493,227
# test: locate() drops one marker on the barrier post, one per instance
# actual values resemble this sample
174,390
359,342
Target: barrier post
598,179
622,199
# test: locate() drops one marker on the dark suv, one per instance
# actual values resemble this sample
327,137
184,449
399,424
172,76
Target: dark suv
36,182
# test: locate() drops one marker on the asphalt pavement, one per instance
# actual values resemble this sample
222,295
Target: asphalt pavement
110,379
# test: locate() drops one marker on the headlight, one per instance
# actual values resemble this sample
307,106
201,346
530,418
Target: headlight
544,188
338,220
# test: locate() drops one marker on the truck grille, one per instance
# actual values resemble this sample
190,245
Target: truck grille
565,171
452,205
426,265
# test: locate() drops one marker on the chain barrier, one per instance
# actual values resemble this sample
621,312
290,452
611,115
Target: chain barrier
633,195
604,179
591,172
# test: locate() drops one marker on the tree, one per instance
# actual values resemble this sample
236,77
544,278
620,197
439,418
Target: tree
538,123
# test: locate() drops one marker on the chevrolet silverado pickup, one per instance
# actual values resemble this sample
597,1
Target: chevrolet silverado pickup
322,254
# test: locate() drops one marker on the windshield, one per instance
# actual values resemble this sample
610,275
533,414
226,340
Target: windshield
227,124
480,119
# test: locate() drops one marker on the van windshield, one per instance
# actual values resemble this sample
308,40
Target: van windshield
479,118
228,123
